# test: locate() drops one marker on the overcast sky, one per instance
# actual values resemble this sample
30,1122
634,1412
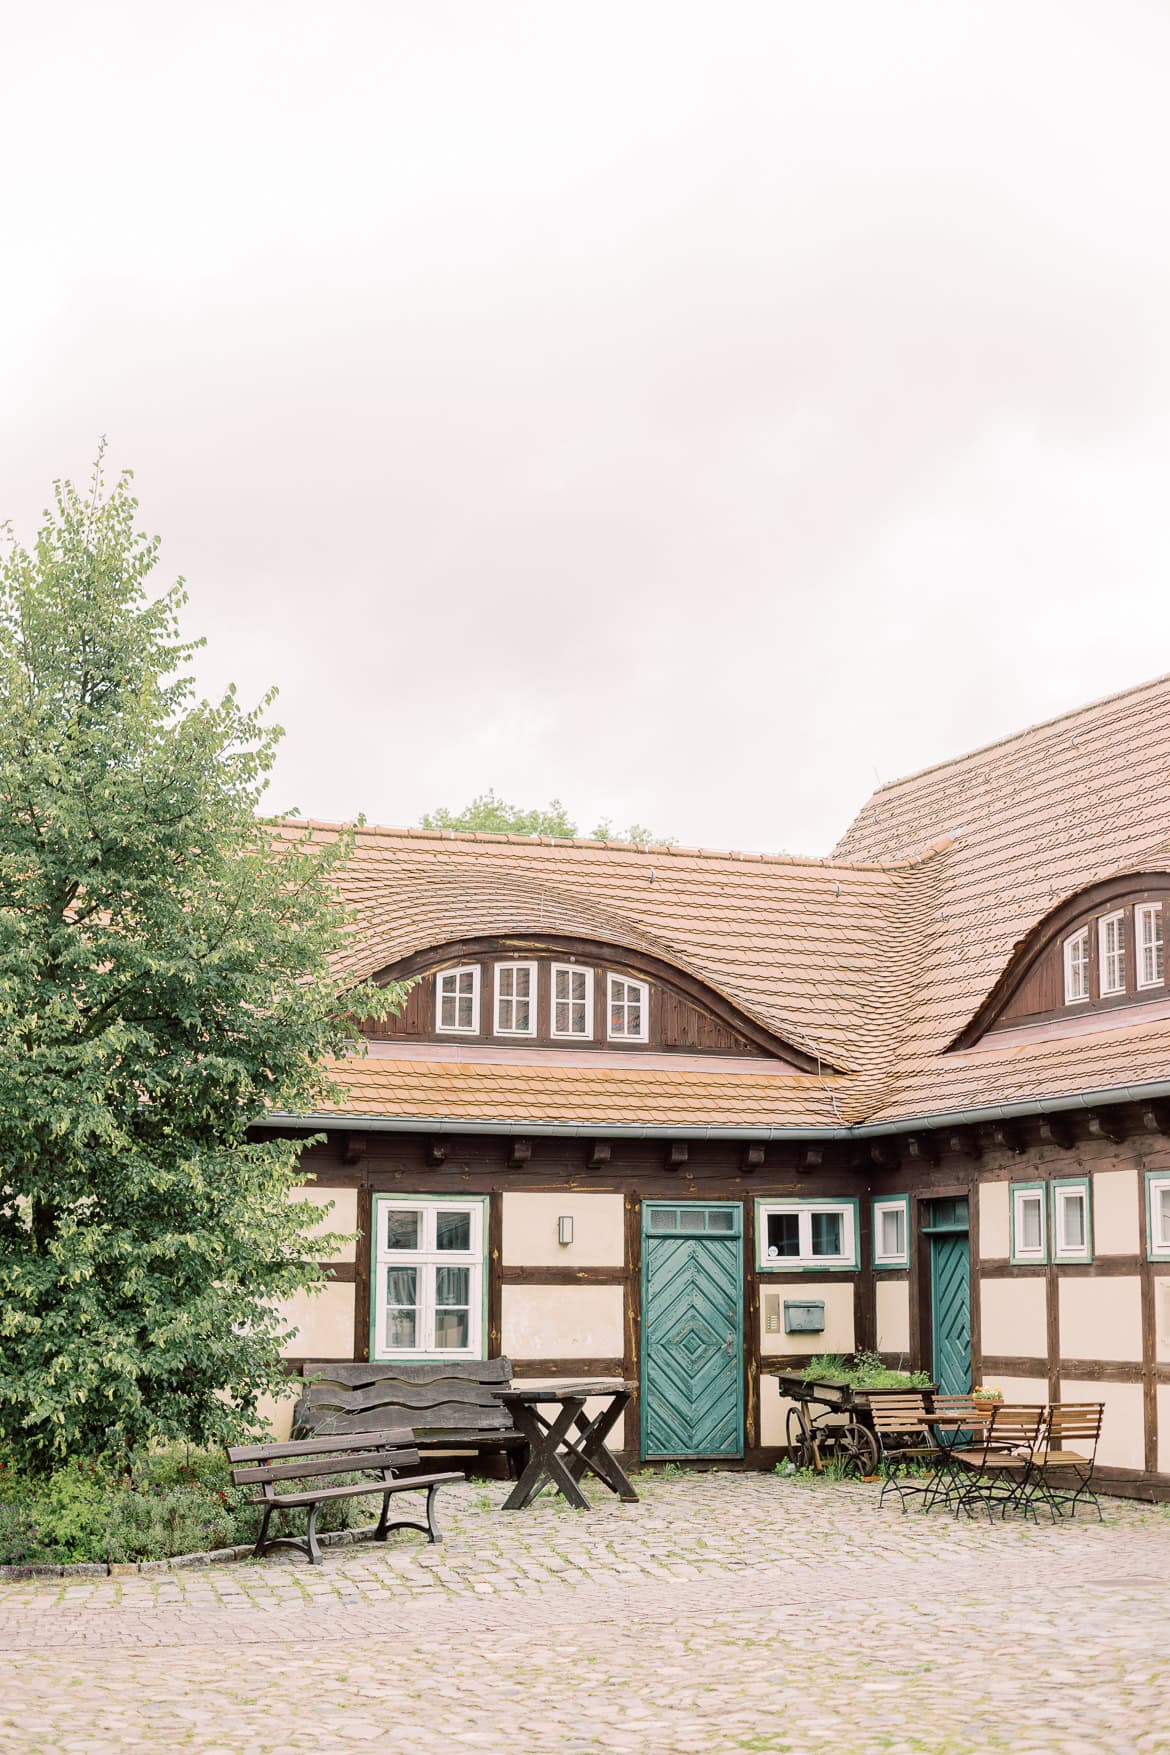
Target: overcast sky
698,412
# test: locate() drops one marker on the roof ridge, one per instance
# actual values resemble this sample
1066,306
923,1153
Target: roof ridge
1016,736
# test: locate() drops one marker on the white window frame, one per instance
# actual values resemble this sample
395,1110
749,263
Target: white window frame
427,1258
556,969
846,1261
1105,956
1158,1247
629,981
1064,1192
899,1258
1147,941
501,998
1075,965
457,1029
1022,1193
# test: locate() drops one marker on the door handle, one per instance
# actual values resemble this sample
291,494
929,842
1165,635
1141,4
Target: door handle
730,1343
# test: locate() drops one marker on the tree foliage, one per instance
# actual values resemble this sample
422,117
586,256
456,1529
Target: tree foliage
163,977
488,814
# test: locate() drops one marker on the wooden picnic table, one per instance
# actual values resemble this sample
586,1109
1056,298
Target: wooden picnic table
563,1447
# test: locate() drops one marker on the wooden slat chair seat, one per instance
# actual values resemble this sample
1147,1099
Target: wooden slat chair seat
996,1472
379,1454
1066,1458
901,1424
449,1405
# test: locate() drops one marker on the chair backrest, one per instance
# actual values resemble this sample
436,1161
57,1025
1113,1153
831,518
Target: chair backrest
1016,1424
442,1399
353,1454
1074,1423
896,1416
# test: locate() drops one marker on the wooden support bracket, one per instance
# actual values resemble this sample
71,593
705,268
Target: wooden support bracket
600,1153
1156,1118
437,1151
1057,1130
923,1147
753,1159
354,1149
677,1154
965,1143
519,1153
885,1154
1107,1124
811,1159
1009,1137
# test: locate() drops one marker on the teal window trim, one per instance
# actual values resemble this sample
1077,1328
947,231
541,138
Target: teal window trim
1084,1185
418,1354
790,1264
1040,1188
734,1207
876,1205
1154,1250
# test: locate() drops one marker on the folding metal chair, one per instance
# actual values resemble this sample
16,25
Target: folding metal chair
996,1473
901,1424
1066,1458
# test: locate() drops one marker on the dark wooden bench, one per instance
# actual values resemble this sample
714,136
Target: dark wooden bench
449,1405
379,1454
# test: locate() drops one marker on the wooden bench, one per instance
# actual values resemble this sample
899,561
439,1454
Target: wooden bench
380,1454
450,1405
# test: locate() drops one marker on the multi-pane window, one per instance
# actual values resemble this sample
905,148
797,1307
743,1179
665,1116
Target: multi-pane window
515,999
1147,926
428,1277
1111,951
1076,967
891,1232
572,1001
629,1009
1072,1236
807,1234
1029,1232
1158,1199
458,999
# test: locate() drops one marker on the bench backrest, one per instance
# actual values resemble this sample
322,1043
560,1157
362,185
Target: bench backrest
448,1398
266,1464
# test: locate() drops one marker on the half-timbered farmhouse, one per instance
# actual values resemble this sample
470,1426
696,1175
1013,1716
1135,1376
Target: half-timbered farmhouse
671,1114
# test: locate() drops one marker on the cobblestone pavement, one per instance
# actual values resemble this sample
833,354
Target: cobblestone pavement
725,1612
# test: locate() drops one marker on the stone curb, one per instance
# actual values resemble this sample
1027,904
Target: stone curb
177,1562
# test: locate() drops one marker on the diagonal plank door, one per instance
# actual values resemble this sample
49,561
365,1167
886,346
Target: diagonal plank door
950,1291
692,1333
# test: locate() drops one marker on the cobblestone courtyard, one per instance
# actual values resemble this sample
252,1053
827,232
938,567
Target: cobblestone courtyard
725,1612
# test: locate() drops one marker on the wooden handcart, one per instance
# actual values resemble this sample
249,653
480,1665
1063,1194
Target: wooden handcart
841,1432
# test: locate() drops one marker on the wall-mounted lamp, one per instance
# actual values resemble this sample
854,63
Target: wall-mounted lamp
565,1228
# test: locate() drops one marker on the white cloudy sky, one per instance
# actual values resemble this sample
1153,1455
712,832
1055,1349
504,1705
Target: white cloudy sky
698,411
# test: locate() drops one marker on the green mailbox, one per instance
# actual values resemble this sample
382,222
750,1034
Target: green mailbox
804,1316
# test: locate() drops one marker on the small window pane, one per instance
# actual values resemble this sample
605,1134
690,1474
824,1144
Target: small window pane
451,1285
720,1221
666,1220
633,1019
466,1014
690,1220
402,1285
783,1234
893,1231
452,1230
1072,1225
1031,1231
451,1328
401,1328
402,1229
826,1233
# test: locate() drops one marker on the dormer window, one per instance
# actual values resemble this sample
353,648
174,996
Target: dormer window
1147,928
458,994
1076,967
1111,952
515,999
572,1001
629,1010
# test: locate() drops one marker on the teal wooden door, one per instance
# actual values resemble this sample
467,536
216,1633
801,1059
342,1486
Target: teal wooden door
950,1295
692,1329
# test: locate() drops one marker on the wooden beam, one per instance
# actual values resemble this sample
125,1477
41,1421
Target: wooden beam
519,1153
437,1151
1107,1124
1057,1130
677,1153
753,1159
1009,1137
600,1153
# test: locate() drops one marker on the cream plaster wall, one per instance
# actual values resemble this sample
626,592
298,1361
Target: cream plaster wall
279,1414
1123,1442
1031,1390
1100,1318
594,1405
562,1322
994,1225
342,1218
838,1333
530,1230
1162,1320
892,1298
325,1320
1014,1318
1164,1428
773,1412
1116,1224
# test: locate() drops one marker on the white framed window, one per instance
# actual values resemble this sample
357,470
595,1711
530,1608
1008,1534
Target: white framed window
457,1000
1072,1223
572,1001
1076,967
891,1232
1029,1230
1111,951
1158,1216
428,1278
806,1234
1147,932
628,1009
515,999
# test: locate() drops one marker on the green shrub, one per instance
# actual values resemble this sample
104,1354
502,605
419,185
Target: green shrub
20,1538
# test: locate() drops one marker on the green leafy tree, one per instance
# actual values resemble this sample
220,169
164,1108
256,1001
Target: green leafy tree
491,815
164,975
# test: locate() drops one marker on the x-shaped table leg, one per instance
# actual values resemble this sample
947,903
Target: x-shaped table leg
589,1450
545,1439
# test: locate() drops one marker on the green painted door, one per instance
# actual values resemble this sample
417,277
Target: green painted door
950,1295
692,1329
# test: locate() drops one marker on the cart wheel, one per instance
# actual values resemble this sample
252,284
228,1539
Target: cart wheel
856,1450
800,1450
